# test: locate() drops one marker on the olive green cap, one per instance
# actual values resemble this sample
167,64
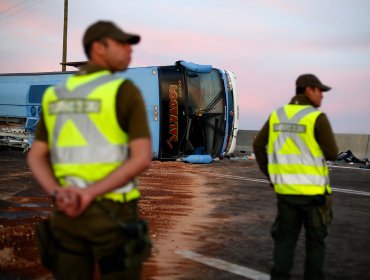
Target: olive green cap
107,29
310,80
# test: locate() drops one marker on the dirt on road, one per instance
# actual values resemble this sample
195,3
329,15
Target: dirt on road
168,196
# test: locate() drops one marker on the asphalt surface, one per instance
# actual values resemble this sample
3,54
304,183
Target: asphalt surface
207,221
248,205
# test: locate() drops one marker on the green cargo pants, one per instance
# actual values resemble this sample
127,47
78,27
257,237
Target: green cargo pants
95,238
293,212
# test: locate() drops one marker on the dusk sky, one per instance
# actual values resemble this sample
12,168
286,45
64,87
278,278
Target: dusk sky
266,43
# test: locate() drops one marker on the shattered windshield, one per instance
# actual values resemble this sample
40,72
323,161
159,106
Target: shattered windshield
205,93
205,113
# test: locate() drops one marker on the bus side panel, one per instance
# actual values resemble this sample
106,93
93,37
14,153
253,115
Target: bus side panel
13,99
146,79
20,106
173,122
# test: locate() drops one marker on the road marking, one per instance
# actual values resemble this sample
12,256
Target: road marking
268,182
351,191
243,178
224,265
349,167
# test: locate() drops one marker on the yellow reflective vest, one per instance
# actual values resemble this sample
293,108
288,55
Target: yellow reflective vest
296,164
85,139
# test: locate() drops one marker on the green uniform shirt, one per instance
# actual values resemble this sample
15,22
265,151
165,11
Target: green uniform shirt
323,134
131,112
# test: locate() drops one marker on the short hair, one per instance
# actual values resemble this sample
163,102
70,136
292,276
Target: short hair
300,90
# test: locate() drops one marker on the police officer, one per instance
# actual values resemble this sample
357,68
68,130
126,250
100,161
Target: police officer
91,142
291,150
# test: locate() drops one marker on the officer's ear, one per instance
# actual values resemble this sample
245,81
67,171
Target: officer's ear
308,91
98,47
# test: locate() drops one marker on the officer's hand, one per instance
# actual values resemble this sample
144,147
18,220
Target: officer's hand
67,201
83,200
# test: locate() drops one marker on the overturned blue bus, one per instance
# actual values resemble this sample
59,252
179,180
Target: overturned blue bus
191,108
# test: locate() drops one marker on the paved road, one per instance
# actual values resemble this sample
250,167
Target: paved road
207,221
244,209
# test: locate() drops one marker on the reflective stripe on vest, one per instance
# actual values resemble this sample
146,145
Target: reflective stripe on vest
80,154
302,171
93,161
124,194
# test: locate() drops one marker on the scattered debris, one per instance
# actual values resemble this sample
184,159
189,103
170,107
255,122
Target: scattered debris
198,158
250,157
350,158
366,166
